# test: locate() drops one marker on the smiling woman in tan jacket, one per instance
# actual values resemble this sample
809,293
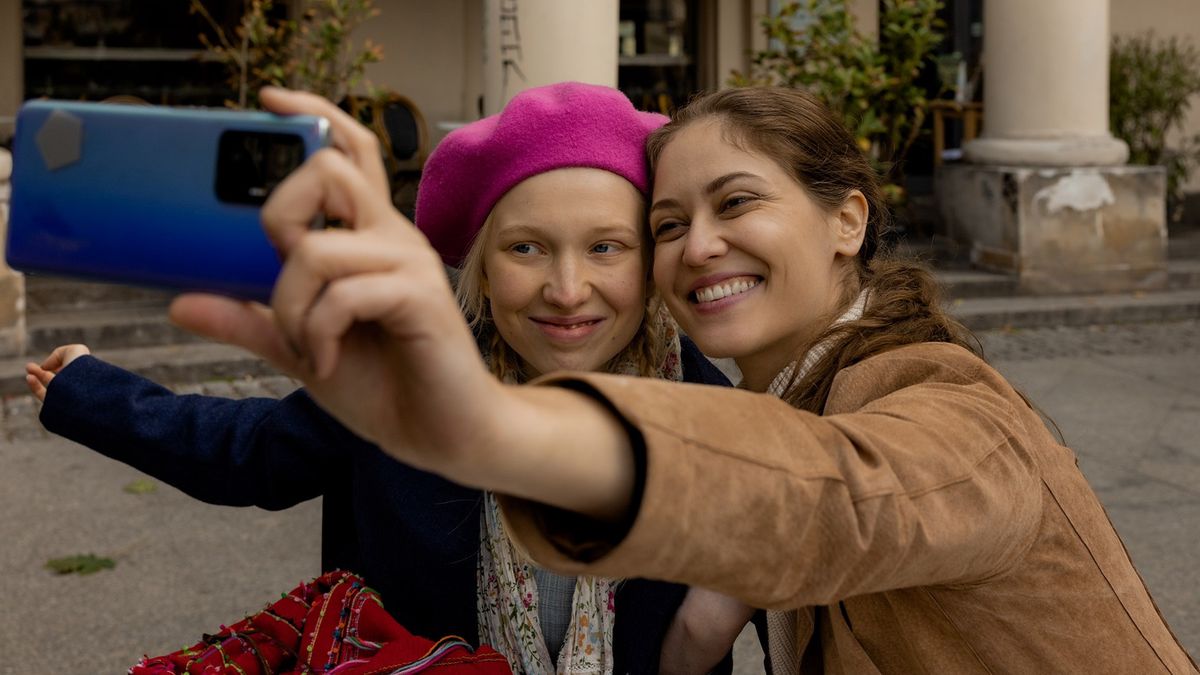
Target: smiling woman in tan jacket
891,498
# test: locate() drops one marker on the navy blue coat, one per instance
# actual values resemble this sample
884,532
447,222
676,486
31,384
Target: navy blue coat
413,536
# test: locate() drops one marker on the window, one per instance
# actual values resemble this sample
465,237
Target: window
657,52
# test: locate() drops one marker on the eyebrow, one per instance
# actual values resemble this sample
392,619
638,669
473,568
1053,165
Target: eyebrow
522,230
709,189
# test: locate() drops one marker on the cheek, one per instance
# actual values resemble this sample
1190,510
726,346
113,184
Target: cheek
511,292
625,292
663,268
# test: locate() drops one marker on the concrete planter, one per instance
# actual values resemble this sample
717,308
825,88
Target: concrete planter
12,284
1061,230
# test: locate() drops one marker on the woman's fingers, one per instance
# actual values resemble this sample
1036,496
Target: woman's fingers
64,355
72,352
346,133
345,302
347,182
248,325
37,379
327,184
321,258
36,386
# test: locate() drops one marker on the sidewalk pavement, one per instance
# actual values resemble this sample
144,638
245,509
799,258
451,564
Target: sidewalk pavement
1127,399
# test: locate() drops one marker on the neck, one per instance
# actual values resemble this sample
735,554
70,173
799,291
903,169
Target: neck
760,369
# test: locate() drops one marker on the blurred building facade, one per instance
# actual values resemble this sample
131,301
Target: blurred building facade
1045,85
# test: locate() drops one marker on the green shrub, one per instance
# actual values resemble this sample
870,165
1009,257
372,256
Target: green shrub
871,83
1151,82
314,53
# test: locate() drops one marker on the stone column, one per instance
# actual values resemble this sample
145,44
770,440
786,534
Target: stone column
12,284
1045,194
12,66
529,43
1046,85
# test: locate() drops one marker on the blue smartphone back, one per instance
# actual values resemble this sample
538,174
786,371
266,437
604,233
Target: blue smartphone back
128,194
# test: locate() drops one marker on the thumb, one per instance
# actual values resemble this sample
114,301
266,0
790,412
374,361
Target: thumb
248,325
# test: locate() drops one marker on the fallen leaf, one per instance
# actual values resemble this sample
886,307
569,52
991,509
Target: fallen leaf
80,564
141,486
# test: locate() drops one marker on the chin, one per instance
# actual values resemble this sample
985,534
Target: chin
724,345
575,365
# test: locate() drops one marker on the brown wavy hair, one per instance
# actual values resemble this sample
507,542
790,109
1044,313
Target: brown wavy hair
800,134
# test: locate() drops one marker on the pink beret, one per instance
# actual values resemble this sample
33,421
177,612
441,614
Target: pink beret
541,129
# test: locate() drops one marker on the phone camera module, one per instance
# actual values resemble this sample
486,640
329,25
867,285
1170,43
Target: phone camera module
251,163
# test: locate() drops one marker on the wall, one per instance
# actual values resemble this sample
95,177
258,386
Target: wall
11,67
433,50
425,55
12,284
532,43
1166,18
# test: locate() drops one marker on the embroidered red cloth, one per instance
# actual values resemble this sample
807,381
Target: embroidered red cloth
333,625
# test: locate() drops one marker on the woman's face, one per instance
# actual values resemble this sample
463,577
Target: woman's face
748,263
565,268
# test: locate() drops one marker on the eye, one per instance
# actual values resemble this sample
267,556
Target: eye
668,230
607,248
524,248
735,201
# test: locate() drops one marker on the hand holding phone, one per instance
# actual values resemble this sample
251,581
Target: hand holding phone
148,195
364,315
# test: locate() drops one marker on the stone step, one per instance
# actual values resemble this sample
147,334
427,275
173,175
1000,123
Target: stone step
984,313
1184,242
1183,273
970,283
109,328
48,294
167,364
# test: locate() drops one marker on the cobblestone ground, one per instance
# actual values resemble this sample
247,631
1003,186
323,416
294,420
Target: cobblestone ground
1127,398
1162,339
19,414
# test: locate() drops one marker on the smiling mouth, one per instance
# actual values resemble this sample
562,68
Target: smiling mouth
562,325
725,289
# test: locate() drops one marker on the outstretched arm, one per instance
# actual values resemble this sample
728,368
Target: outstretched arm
254,451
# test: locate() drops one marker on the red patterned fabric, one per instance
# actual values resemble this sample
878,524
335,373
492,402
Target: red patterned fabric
333,625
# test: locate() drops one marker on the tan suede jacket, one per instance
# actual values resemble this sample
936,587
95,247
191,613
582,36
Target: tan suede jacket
926,523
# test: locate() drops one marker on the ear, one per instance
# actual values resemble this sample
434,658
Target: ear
485,286
850,224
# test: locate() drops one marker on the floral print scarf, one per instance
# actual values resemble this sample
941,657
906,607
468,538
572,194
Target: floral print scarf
507,591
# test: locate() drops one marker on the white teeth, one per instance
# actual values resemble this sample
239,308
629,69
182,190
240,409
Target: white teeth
719,291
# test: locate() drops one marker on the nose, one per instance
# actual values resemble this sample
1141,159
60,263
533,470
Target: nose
703,242
569,284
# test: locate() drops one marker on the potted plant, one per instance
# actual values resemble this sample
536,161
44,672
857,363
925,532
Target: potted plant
1151,84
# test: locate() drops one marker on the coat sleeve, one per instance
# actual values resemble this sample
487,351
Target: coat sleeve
921,472
271,453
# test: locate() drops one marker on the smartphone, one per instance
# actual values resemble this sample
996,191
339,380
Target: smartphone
150,195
